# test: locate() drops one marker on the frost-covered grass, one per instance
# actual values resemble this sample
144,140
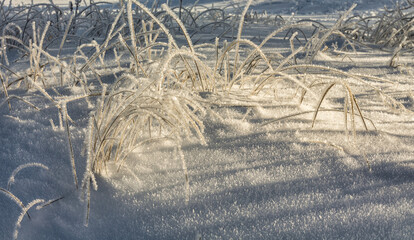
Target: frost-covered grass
193,122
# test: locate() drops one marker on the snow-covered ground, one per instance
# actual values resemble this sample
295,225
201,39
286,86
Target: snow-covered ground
256,178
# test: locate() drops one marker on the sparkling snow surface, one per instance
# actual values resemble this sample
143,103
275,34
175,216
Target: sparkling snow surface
282,180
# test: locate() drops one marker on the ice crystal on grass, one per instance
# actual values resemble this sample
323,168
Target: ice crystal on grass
21,167
24,212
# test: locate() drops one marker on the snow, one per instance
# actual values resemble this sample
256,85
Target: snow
255,179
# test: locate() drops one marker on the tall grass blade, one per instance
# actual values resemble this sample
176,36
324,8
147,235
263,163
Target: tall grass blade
65,115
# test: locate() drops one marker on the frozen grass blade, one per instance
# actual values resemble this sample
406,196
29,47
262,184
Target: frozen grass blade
179,152
320,102
133,35
21,167
180,23
134,54
4,84
160,24
14,198
69,24
10,97
65,115
49,202
239,32
24,212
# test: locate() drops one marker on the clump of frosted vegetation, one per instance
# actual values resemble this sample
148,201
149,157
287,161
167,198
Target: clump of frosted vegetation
164,101
162,71
391,30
